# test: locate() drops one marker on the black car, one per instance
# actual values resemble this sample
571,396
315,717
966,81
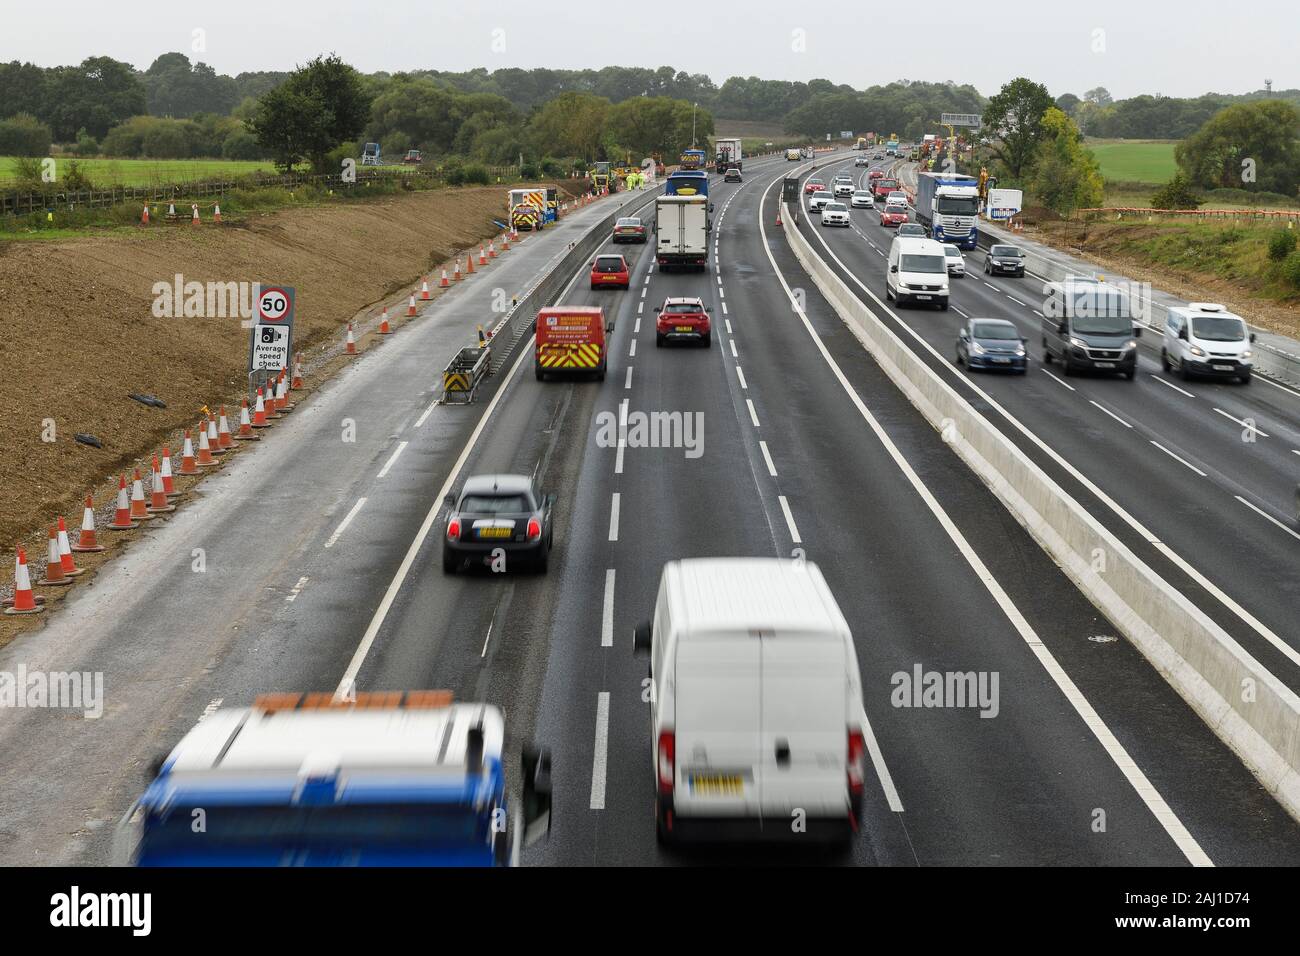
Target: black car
498,518
1004,261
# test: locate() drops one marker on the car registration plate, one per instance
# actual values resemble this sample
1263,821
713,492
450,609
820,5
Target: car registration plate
1222,368
1002,360
716,785
922,298
609,278
685,328
1105,365
495,532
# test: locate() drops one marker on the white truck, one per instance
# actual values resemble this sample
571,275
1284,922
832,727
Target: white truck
728,154
682,231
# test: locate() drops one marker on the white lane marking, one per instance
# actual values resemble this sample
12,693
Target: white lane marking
767,457
631,352
213,706
789,519
601,753
728,321
343,525
724,309
1163,381
647,279
991,286
618,456
296,590
636,329
722,293
719,280
420,421
1015,300
1268,516
732,343
643,292
607,611
960,312
628,382
401,446
1059,381
1295,451
753,415
639,307
740,374
613,517
487,637
1111,414
1039,314
1268,381
1243,424
1177,459
1137,779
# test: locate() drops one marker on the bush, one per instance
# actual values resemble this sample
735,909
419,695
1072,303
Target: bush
528,171
1281,244
474,173
1247,197
1176,194
241,144
87,145
73,177
1291,269
24,135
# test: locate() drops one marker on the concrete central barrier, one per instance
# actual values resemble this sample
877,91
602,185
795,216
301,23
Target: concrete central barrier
1245,704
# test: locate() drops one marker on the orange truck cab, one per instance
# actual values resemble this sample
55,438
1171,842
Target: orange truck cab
571,338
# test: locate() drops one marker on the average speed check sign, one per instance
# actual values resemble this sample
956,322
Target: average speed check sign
272,338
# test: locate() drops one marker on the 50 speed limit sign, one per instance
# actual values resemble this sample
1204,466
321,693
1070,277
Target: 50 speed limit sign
271,342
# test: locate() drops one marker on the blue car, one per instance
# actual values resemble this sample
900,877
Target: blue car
992,343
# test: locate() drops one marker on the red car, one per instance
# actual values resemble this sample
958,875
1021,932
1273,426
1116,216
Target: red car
682,319
893,215
813,186
610,271
875,174
883,187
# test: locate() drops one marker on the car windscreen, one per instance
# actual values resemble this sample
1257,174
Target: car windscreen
922,263
629,222
995,330
1218,329
887,184
952,252
835,207
683,308
861,194
494,504
958,206
1100,311
1008,252
605,264
814,182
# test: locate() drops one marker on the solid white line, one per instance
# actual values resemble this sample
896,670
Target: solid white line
343,525
607,612
1154,802
1268,516
383,471
1171,385
753,415
613,517
628,382
601,752
732,343
632,349
1268,381
767,457
728,321
740,374
789,519
1059,381
1243,424
427,411
1111,414
1176,458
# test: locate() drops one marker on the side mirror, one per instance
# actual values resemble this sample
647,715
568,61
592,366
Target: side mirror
1023,340
1137,331
1182,333
963,335
707,309
449,501
641,636
1252,336
537,794
893,268
659,308
1063,328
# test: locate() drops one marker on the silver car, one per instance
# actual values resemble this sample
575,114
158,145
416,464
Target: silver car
953,256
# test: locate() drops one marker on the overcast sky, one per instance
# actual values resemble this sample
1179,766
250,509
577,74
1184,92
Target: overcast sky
1130,47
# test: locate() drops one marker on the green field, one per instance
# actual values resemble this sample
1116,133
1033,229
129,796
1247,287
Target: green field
147,172
1135,160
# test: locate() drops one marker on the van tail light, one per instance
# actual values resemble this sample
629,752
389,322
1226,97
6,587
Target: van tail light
534,529
453,529
857,761
666,760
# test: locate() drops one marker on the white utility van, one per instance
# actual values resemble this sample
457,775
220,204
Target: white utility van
1204,338
757,722
918,271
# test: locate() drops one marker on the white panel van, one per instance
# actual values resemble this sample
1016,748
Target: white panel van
918,272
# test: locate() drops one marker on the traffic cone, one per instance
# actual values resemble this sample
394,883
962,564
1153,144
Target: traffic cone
410,308
455,275
195,219
187,456
122,517
352,343
246,432
224,440
259,411
482,256
296,383
492,252
282,393
269,403
25,601
216,213
469,264
144,216
158,503
444,283
169,482
65,552
778,214
213,436
514,234
205,459
87,542
139,508
54,576
171,210
424,291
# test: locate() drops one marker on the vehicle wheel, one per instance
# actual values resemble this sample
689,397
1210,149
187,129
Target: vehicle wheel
1244,379
1183,372
449,563
600,372
1130,373
707,340
540,564
541,375
1067,365
944,305
1164,360
659,341
959,359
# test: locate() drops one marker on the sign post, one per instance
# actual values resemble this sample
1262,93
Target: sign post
270,345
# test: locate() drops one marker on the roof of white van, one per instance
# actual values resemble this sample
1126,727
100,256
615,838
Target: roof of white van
917,245
749,594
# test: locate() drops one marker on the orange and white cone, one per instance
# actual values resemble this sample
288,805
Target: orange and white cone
122,517
213,436
65,552
195,208
25,601
469,264
505,242
455,274
205,459
139,507
259,411
144,216
410,308
246,432
158,503
169,482
282,402
270,403
425,295
224,439
492,251
54,576
445,281
296,383
216,214
352,342
87,542
187,456
482,256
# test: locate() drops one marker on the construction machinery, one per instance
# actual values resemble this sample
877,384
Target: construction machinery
413,157
370,155
602,177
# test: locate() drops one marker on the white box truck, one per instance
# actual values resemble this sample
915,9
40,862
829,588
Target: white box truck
682,231
728,154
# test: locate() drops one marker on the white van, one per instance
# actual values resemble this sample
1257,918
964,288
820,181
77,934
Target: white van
757,723
1204,338
918,271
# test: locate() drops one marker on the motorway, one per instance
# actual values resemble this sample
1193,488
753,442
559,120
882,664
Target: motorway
808,450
